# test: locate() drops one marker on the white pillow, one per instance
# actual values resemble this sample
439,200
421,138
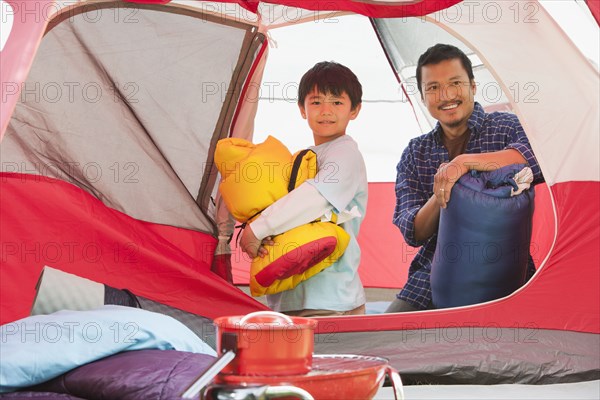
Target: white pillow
38,348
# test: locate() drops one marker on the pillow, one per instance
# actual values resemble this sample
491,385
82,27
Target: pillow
132,375
255,176
38,348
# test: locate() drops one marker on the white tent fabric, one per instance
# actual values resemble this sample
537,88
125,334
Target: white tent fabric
163,95
566,151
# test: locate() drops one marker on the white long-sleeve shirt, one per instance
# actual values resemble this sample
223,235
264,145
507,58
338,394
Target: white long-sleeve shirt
340,184
301,206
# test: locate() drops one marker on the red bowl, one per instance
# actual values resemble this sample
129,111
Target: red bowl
331,377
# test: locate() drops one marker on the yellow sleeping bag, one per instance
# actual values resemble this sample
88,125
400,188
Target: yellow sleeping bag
252,178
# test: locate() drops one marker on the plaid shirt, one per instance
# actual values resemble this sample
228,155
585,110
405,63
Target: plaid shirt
414,185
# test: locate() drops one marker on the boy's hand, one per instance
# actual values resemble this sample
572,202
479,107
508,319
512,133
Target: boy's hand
252,246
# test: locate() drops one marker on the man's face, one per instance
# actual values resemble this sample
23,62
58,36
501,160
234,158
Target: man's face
448,94
327,115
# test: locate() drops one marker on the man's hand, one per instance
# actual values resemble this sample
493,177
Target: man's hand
252,246
446,176
428,217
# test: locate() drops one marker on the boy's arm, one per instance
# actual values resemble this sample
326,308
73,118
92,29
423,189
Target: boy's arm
341,170
301,206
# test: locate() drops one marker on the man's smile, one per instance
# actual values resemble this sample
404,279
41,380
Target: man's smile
450,106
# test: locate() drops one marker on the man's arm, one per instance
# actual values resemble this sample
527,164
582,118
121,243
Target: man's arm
427,219
411,198
448,174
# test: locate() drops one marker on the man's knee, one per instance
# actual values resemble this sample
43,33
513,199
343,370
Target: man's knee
400,306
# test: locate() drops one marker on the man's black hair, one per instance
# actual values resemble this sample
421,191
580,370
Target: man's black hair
331,77
442,52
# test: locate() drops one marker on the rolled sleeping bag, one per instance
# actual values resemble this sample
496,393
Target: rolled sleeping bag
483,240
253,177
296,256
301,252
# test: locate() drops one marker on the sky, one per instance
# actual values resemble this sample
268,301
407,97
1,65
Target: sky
350,40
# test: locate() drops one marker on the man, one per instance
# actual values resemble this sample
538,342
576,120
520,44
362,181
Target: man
464,138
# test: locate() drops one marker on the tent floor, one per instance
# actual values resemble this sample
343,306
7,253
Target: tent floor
576,391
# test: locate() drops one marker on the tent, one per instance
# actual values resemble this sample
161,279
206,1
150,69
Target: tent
111,111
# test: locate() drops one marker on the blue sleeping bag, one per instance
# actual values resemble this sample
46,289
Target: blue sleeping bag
483,239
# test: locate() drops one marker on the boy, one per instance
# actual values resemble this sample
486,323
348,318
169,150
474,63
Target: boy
329,97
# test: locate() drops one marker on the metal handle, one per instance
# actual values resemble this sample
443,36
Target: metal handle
247,317
253,392
194,390
396,383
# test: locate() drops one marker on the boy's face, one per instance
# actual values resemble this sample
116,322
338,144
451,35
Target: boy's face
448,93
327,115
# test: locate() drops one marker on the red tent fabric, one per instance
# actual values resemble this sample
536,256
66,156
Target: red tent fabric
48,221
553,299
594,6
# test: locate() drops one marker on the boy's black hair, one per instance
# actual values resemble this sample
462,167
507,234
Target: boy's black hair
331,77
442,52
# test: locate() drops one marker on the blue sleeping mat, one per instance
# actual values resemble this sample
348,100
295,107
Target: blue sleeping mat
483,239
